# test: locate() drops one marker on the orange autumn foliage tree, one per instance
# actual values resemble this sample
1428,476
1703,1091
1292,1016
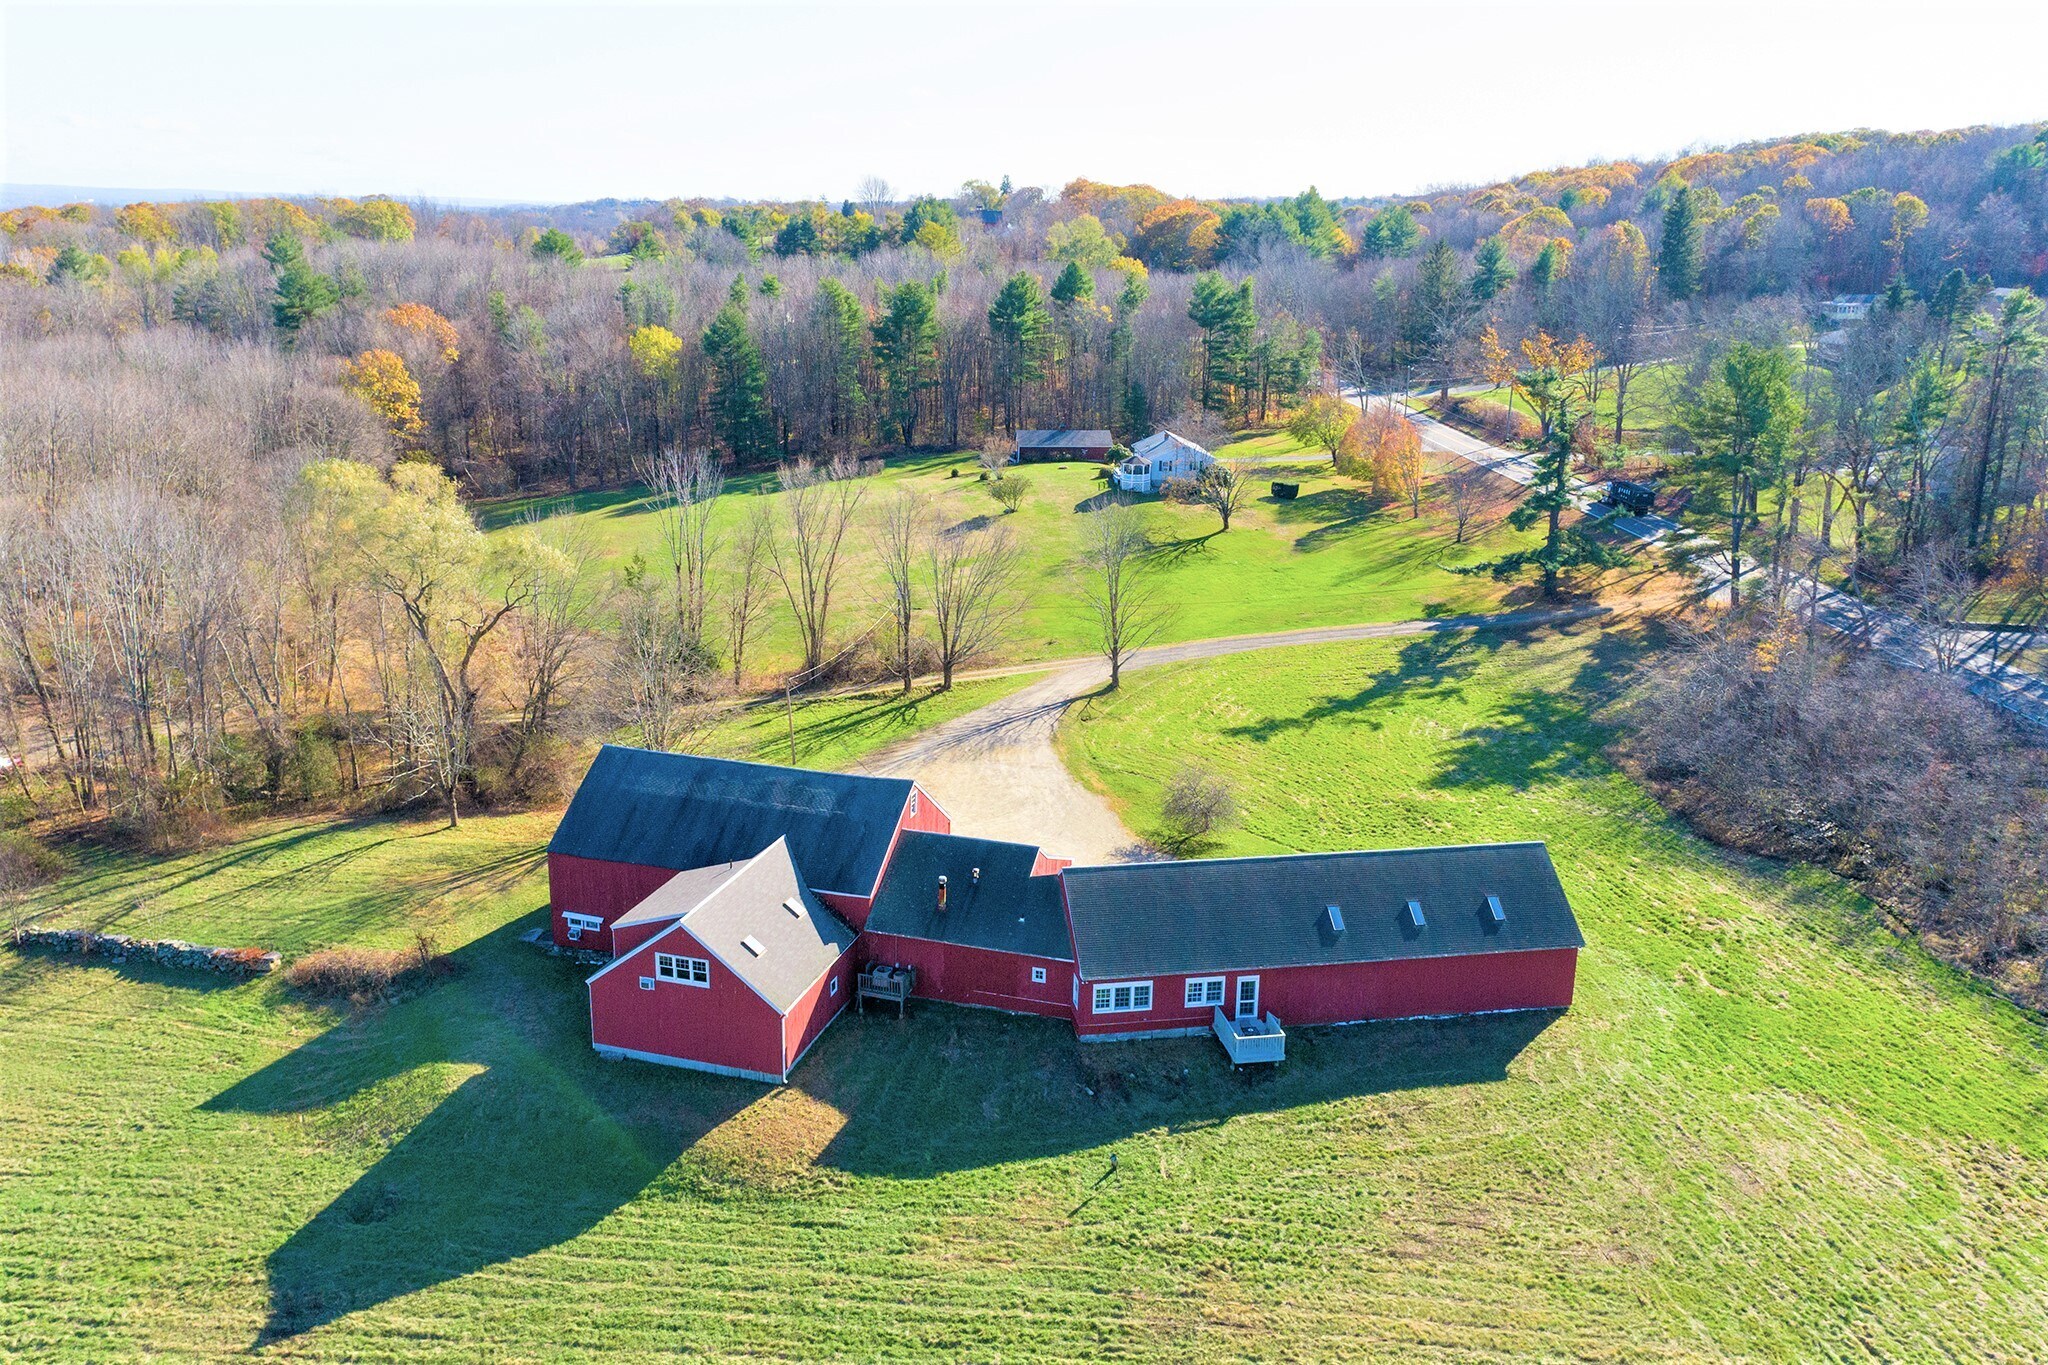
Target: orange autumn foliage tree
380,379
423,321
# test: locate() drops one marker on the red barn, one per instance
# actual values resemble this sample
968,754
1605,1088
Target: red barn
737,900
1319,938
1062,444
640,817
983,923
735,969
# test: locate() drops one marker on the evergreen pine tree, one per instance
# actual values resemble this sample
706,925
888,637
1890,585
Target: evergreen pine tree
1682,255
739,383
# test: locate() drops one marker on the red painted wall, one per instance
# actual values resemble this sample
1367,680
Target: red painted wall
1045,864
1341,994
725,1024
820,1006
977,976
920,812
592,886
632,936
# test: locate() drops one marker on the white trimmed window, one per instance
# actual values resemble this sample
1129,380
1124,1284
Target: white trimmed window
691,971
579,925
1203,990
1123,997
1038,976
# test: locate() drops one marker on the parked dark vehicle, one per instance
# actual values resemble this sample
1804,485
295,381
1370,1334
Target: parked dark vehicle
1636,499
1286,491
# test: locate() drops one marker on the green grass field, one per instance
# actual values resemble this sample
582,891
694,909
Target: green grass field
837,731
1330,556
1768,1130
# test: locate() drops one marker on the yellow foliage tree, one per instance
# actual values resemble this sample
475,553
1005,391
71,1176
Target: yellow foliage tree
656,350
379,378
146,223
1392,457
1829,215
422,321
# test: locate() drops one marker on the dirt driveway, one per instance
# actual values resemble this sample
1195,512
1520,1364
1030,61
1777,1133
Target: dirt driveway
997,774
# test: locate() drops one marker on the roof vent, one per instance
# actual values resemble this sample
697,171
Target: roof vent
795,907
752,945
1415,914
1336,914
1494,912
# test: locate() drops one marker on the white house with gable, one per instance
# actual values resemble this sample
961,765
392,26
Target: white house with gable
1158,459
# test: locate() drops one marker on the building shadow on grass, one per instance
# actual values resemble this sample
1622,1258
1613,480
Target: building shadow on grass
528,1139
949,1089
513,1136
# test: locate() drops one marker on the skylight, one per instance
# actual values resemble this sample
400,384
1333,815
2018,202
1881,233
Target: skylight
1415,914
752,945
795,907
1494,912
1336,918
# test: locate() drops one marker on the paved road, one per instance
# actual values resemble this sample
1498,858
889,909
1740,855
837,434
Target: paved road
997,774
1973,654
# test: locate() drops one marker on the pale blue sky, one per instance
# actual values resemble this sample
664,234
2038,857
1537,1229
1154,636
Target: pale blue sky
534,102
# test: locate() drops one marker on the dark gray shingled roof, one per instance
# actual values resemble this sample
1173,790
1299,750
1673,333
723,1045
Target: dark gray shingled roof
1060,438
684,811
1009,911
1223,914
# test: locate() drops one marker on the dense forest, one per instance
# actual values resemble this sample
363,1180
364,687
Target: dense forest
237,438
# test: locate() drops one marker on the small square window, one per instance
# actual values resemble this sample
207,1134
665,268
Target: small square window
1038,976
833,989
646,983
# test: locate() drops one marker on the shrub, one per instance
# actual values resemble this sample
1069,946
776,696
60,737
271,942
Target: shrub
26,861
1010,491
364,975
1196,803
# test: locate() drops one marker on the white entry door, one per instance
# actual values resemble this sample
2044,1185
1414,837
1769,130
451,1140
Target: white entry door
1247,997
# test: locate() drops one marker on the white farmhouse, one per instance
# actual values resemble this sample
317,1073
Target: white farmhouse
1159,458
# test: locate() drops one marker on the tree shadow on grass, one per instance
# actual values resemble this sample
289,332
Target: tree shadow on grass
949,1089
1338,512
535,1143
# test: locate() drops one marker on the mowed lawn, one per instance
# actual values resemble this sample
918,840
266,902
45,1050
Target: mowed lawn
1768,1130
1330,556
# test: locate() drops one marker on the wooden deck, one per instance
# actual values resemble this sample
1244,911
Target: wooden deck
1250,1040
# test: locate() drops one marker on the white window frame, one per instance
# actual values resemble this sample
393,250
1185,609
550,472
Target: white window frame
1038,976
1241,1012
683,971
833,989
1201,991
579,924
1136,997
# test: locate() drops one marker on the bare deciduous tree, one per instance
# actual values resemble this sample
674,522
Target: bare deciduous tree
746,593
818,506
1226,488
899,533
1121,596
686,485
972,578
1464,494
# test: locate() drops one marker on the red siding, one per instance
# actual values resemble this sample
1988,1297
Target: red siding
853,909
1045,864
977,976
927,815
819,1007
632,936
1404,989
592,886
725,1024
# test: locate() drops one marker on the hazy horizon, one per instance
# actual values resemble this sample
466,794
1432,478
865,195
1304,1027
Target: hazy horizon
527,103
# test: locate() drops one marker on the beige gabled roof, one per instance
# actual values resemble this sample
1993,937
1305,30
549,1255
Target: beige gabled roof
757,918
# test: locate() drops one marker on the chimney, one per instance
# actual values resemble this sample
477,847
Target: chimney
942,891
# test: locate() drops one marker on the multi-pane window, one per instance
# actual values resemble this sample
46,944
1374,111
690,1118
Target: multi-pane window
691,971
1123,997
1204,990
579,925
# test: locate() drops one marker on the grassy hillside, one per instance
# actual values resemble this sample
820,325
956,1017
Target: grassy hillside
1768,1129
1330,556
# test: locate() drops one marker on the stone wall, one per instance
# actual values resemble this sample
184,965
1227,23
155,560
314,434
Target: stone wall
168,952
